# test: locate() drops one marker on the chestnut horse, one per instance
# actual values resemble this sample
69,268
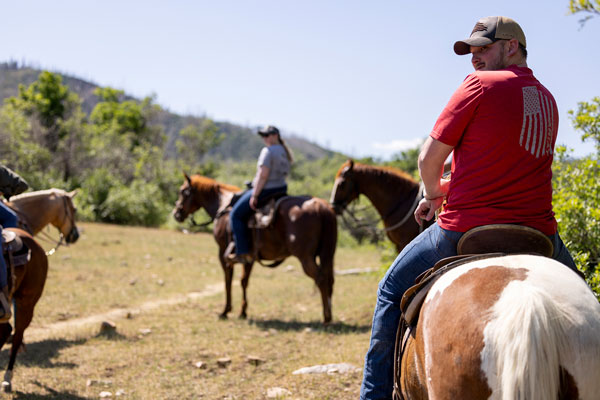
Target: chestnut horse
511,327
304,227
26,291
52,206
393,193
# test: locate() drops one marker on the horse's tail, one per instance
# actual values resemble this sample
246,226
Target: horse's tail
528,336
328,242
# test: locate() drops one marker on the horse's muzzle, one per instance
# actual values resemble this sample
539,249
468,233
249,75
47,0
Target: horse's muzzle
73,235
337,208
179,215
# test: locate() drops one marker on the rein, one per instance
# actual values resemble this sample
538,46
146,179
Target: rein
410,212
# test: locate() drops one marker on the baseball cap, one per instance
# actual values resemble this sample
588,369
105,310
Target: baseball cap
488,30
268,130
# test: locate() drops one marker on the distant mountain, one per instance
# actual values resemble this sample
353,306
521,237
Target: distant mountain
240,143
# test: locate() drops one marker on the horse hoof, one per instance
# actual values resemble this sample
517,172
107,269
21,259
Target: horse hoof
6,387
242,316
223,316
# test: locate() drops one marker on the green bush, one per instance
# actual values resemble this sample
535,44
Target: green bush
137,204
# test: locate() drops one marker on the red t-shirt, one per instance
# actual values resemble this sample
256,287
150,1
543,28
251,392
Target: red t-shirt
502,125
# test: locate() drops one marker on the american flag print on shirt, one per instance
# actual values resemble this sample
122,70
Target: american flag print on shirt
538,122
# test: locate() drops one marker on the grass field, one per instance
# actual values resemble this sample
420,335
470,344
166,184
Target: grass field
173,350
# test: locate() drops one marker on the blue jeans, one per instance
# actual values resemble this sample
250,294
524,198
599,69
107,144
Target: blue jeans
8,219
239,216
419,255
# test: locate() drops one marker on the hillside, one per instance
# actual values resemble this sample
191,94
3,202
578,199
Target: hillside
240,143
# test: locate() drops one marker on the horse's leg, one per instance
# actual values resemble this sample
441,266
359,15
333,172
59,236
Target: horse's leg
5,331
22,321
324,279
228,271
245,279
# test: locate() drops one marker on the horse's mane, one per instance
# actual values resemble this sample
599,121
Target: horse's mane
206,184
385,175
38,193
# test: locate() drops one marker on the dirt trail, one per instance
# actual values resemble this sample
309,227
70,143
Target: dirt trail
36,334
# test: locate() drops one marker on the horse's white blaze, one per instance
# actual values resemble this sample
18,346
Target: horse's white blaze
549,319
333,192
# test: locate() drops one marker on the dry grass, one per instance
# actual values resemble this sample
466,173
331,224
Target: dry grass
121,267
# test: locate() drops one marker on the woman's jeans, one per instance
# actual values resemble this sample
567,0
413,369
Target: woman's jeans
8,219
238,218
419,255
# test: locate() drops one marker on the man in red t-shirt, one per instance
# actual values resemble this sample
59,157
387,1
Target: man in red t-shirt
501,124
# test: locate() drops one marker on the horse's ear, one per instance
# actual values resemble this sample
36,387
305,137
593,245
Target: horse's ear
187,178
73,193
350,164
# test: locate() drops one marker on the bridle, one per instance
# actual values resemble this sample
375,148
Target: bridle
44,236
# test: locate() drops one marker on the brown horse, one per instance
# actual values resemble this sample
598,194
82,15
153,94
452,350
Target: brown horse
512,327
304,227
393,193
53,206
26,291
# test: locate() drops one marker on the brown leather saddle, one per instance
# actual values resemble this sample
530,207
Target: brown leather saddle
15,254
476,244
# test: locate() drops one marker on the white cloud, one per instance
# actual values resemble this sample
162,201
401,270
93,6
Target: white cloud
397,145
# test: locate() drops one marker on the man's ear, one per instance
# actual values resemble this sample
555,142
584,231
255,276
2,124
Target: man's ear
513,47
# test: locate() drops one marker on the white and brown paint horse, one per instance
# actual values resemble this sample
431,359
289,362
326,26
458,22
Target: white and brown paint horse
393,193
304,227
519,327
36,210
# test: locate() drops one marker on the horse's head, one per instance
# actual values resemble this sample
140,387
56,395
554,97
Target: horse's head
66,222
185,204
345,188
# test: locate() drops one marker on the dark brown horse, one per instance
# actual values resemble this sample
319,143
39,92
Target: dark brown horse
393,193
26,291
304,227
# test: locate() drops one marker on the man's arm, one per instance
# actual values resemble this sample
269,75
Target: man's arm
431,167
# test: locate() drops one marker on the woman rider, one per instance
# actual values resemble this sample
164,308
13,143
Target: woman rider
272,169
11,184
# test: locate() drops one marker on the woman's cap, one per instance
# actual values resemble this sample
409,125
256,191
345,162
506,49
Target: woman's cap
488,30
268,130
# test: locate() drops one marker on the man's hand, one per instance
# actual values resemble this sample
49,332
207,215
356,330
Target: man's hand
427,208
253,202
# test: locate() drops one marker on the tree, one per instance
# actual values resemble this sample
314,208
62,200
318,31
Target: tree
195,140
576,197
42,125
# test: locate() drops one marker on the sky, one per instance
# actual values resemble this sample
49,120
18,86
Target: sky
365,78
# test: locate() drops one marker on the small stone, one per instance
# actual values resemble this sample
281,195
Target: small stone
98,382
160,282
133,281
124,263
342,368
289,268
145,331
200,365
254,360
277,392
120,392
104,395
108,327
223,362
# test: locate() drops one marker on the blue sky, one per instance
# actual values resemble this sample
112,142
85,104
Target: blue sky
360,77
